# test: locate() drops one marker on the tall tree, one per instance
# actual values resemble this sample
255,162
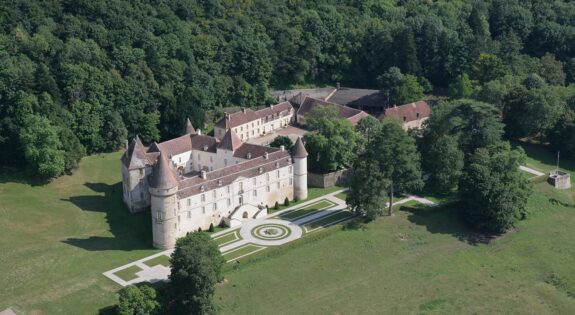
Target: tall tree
391,162
461,87
138,300
196,265
42,147
444,162
493,192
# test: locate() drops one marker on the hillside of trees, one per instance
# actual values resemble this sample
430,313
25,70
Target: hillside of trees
80,76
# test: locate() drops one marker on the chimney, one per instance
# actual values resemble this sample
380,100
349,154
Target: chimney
227,116
243,110
199,132
204,175
337,86
249,155
266,155
282,148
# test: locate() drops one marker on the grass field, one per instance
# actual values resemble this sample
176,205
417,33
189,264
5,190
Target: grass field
422,261
315,207
128,273
57,239
160,260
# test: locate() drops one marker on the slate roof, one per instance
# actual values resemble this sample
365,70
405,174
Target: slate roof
189,127
351,114
135,156
230,141
358,97
227,175
409,111
299,150
163,176
247,115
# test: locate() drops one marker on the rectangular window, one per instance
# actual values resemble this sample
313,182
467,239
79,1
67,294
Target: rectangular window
290,181
255,193
214,194
204,210
228,188
158,215
215,206
268,188
189,214
203,197
278,185
268,177
290,169
189,202
241,185
278,173
211,159
229,202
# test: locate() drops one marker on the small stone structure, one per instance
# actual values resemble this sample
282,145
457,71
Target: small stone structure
560,180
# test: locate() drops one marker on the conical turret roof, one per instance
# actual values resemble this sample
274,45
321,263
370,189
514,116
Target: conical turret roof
299,150
231,141
189,129
163,176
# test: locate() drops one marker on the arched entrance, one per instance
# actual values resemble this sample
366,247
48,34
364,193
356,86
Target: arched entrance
245,215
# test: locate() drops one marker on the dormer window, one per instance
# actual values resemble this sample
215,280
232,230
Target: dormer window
205,148
219,182
404,119
202,188
260,170
277,164
417,115
249,156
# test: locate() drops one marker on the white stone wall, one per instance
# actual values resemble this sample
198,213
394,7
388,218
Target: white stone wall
135,188
300,178
165,221
256,128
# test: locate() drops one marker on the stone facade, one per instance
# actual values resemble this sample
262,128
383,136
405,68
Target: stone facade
194,181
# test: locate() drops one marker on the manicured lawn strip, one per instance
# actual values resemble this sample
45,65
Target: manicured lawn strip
227,238
342,195
129,273
160,260
307,210
312,193
327,220
244,250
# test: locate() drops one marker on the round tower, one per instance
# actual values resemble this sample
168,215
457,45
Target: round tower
164,204
300,170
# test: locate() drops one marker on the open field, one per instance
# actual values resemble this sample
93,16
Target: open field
422,261
57,239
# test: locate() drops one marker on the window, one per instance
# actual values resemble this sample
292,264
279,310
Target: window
189,214
290,169
255,192
228,189
204,210
404,119
268,188
215,206
229,202
214,195
141,172
225,162
290,181
158,215
199,157
189,202
203,197
268,177
278,173
254,181
211,159
278,185
241,185
180,160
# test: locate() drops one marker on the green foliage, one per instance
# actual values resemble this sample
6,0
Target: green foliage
390,163
492,191
552,70
282,140
444,162
277,206
211,228
333,143
462,87
196,267
488,67
401,88
42,147
286,202
367,127
138,300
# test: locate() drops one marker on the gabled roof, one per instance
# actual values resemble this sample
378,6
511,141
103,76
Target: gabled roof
299,150
176,146
409,112
163,176
189,129
358,97
230,141
247,115
351,114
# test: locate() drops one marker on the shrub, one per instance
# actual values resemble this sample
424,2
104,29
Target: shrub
277,206
211,229
199,229
286,202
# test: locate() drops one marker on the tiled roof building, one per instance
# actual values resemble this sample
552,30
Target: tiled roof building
412,115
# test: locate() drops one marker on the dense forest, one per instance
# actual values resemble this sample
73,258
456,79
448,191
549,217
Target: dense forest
80,76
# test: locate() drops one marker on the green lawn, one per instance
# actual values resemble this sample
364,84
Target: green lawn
227,238
244,250
324,221
160,260
129,273
312,193
342,195
57,239
315,207
420,261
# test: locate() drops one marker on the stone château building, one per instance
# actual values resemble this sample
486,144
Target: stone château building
195,180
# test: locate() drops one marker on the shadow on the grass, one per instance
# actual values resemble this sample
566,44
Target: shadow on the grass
444,220
130,231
